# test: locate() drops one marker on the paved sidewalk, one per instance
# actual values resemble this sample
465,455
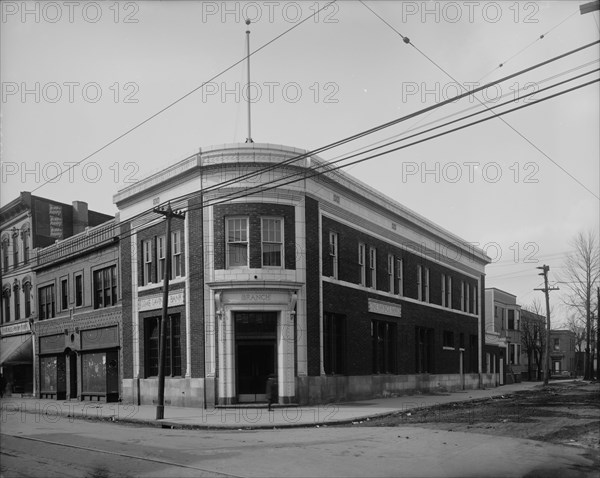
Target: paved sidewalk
244,417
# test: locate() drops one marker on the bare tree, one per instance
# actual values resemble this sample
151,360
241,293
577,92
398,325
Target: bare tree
533,336
582,274
577,326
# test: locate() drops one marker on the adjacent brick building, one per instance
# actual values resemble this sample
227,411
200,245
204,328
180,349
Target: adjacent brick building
339,291
27,224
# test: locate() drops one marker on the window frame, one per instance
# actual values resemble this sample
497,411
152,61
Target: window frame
263,242
400,276
147,261
373,267
27,298
64,293
76,276
448,342
161,258
174,354
334,344
362,257
333,253
384,339
17,301
46,293
176,255
105,287
246,221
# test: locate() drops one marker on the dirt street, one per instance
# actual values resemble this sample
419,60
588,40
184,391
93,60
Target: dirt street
562,413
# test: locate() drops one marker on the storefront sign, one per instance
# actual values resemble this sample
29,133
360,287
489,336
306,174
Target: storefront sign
385,308
15,329
155,301
256,297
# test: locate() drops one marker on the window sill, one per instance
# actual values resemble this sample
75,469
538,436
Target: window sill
448,348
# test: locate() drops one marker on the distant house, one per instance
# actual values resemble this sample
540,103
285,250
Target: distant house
562,353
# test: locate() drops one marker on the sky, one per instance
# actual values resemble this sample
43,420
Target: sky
85,85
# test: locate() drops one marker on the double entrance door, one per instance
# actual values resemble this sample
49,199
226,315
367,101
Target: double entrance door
256,353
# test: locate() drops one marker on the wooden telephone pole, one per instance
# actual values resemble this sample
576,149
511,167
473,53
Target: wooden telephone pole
169,214
546,289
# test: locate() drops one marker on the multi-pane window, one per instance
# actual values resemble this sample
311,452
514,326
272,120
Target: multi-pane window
467,297
272,242
25,239
176,255
334,343
448,339
511,319
373,267
105,287
383,340
390,271
46,302
78,290
147,268
27,297
161,257
362,251
5,247
400,277
172,350
423,283
64,294
333,254
474,301
17,298
237,242
424,350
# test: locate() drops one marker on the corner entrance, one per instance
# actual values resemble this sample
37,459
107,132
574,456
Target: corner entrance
256,353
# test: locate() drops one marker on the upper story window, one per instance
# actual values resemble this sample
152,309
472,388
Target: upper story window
6,303
27,297
557,344
147,268
78,290
17,296
176,256
105,287
446,290
272,242
511,319
391,273
46,302
423,283
474,303
5,246
25,239
161,257
362,251
15,250
237,242
64,294
333,253
373,267
400,276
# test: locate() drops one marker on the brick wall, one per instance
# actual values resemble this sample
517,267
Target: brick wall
254,212
312,286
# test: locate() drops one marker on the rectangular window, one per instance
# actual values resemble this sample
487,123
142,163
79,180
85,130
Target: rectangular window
448,339
17,294
373,267
25,238
64,294
511,319
423,283
512,353
15,252
105,287
176,255
147,268
237,242
467,297
6,302
383,340
424,350
391,277
172,350
5,246
334,343
474,301
461,341
463,296
272,242
46,302
78,290
362,251
27,294
399,277
556,344
161,258
333,254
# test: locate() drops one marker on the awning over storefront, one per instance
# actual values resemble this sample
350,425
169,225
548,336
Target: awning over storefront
17,349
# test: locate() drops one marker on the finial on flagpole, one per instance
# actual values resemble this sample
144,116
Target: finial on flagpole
249,138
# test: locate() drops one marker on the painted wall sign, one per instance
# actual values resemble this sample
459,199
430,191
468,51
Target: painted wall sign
385,308
155,301
14,329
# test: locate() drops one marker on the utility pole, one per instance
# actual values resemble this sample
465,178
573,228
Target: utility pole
169,214
546,289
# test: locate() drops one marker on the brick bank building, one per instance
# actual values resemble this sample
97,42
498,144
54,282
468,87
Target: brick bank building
336,289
